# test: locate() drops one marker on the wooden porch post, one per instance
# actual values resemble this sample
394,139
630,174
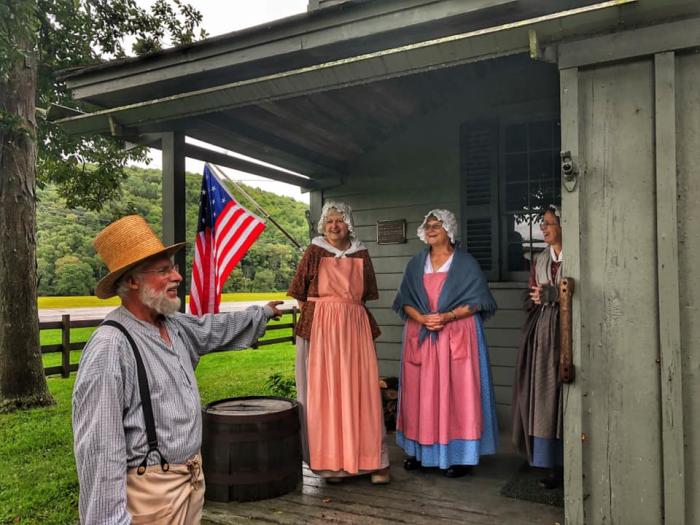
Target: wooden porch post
174,224
574,434
315,207
669,288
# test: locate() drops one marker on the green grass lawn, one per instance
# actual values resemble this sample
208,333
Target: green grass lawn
85,301
39,484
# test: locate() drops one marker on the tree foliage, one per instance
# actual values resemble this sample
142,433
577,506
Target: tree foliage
68,265
39,38
88,171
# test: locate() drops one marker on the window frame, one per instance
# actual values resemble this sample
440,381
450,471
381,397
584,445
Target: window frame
504,122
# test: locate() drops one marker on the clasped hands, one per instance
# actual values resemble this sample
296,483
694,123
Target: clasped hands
536,294
543,293
437,321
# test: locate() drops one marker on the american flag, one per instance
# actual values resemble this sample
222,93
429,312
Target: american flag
225,232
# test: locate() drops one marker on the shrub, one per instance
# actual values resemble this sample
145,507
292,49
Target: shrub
283,386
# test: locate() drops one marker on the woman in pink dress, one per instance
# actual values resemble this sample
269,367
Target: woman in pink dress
447,415
336,368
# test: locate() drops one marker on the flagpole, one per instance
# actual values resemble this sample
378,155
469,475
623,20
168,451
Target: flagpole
218,171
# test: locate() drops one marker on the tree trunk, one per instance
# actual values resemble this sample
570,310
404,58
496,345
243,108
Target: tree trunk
22,381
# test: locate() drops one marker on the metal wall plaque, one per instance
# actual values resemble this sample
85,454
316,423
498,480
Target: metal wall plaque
391,232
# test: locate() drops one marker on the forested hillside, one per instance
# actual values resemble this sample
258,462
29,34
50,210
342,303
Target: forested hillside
68,265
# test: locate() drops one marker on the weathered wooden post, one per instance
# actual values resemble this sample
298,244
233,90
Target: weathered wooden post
174,225
65,345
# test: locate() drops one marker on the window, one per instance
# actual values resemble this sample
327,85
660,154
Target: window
530,181
510,174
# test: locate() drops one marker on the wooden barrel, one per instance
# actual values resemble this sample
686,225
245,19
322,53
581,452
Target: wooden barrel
251,448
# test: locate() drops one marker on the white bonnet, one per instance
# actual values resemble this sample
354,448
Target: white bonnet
449,223
556,210
340,207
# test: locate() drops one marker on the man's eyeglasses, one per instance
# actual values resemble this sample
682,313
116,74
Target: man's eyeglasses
164,270
434,226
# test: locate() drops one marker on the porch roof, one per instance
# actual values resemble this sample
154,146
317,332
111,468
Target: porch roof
314,92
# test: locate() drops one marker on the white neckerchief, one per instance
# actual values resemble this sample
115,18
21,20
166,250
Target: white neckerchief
355,246
443,269
554,255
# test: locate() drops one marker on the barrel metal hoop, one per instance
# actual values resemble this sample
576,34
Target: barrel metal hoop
246,478
239,437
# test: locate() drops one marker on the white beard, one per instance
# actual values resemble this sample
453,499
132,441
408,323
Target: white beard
159,301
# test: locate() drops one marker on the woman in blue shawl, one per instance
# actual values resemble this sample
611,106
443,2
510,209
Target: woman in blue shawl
447,416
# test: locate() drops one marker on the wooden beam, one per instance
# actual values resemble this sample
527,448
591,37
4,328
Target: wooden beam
305,122
400,98
219,135
57,111
363,102
246,166
574,427
371,67
255,130
622,45
174,202
671,369
315,207
330,111
295,132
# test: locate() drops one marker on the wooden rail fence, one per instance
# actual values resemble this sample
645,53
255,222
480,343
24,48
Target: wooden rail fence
65,347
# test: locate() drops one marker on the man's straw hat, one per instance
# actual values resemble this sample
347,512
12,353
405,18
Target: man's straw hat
124,244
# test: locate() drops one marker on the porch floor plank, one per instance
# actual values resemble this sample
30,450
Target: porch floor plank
417,497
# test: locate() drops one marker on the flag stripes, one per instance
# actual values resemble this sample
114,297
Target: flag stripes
225,232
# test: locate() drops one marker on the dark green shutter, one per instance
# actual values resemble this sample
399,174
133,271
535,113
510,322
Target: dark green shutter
479,194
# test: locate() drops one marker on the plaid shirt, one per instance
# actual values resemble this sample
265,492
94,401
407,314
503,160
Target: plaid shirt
108,423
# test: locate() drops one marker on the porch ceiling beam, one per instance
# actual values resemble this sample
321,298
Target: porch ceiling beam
236,163
302,123
218,134
270,137
371,67
289,134
623,45
192,151
332,111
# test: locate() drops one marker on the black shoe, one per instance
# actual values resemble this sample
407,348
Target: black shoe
554,480
457,471
550,483
411,464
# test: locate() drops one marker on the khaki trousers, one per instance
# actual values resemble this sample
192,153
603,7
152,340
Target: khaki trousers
175,497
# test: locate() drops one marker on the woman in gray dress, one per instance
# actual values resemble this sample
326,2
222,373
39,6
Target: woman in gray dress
537,394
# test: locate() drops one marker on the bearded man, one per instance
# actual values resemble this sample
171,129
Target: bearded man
136,406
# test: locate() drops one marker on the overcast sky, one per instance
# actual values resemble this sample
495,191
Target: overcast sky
224,16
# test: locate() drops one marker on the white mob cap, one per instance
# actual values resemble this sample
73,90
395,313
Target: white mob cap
449,223
339,207
556,210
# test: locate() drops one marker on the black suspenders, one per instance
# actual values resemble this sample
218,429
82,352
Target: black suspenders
145,402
